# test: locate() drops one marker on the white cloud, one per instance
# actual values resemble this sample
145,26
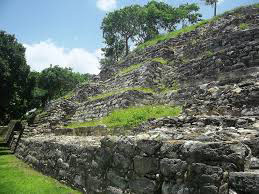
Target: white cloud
40,55
106,5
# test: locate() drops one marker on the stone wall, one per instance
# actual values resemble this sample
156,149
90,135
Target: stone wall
136,164
211,148
101,107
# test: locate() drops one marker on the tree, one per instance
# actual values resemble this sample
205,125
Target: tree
13,77
212,2
137,24
120,25
55,81
188,13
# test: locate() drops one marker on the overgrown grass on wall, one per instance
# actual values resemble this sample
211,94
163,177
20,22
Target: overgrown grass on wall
129,69
243,26
131,117
160,60
164,37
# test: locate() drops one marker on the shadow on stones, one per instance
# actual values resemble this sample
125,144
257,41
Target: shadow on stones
3,145
7,152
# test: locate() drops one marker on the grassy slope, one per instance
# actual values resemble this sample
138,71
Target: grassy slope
167,36
18,178
131,117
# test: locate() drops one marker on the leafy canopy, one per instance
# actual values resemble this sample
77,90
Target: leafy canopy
13,77
136,24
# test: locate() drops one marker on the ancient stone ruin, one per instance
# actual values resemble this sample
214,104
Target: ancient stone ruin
211,148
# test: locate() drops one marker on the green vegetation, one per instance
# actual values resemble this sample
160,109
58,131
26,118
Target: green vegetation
22,90
68,95
129,69
160,60
173,88
164,37
243,26
13,78
167,36
17,177
209,53
131,117
54,82
138,24
107,94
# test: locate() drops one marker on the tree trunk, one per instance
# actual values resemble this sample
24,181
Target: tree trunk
127,46
215,8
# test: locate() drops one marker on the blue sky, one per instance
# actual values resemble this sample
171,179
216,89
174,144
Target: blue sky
67,32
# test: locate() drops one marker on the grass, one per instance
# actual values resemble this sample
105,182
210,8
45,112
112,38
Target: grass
17,177
175,87
209,53
68,95
160,60
243,26
129,69
164,37
107,94
131,117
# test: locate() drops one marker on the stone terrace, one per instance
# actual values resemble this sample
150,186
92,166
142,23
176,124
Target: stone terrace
212,147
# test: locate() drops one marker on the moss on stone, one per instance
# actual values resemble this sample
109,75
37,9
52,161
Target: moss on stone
160,60
129,69
243,26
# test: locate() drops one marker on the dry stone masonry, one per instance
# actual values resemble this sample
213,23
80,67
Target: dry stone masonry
212,147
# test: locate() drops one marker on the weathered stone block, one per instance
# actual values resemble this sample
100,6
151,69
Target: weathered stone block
113,190
244,182
116,180
121,162
149,147
174,188
173,167
145,165
94,184
79,181
209,189
143,186
204,174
